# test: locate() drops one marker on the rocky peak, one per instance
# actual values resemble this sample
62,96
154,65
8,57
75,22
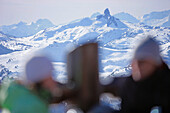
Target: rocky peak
107,13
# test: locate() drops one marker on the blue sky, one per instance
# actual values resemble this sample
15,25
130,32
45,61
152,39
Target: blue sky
63,11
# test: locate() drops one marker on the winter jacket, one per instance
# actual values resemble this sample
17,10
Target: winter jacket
17,98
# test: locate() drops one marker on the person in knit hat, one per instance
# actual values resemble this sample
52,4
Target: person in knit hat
32,94
38,68
146,59
148,49
149,85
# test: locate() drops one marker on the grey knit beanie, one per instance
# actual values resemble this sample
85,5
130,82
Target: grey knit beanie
148,49
38,68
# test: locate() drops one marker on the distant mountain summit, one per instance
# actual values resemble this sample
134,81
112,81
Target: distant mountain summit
23,29
111,21
126,17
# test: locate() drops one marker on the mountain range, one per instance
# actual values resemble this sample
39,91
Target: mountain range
117,39
23,29
157,18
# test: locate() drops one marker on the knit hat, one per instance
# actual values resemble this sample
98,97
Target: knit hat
38,68
148,49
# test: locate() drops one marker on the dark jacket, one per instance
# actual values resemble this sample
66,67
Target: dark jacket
142,96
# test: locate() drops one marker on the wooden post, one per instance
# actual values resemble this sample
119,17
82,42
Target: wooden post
82,67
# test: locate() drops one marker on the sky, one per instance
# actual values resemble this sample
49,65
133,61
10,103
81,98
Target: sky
64,11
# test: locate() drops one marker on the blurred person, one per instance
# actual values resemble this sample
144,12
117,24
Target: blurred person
33,94
149,84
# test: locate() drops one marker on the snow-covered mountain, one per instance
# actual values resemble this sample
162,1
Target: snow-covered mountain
116,44
160,18
156,18
126,17
23,29
9,44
